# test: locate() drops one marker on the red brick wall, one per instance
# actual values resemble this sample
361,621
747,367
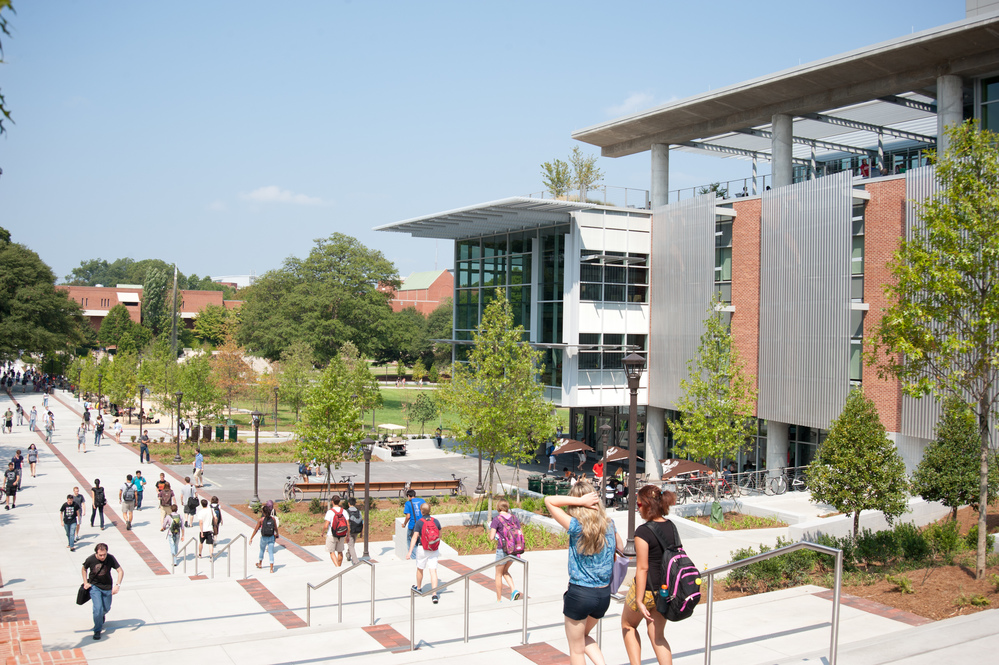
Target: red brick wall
746,283
424,300
883,229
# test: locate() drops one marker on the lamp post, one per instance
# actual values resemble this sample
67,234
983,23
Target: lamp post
633,366
142,389
275,410
79,388
255,415
100,382
177,458
367,443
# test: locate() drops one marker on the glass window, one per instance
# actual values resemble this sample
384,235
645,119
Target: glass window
590,292
857,289
723,264
856,355
856,323
637,340
589,338
614,293
591,272
990,116
638,294
589,360
615,274
494,246
857,256
724,292
723,234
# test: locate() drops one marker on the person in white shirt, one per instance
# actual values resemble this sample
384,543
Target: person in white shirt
206,518
336,519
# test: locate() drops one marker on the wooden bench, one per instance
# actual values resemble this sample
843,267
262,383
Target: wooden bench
376,486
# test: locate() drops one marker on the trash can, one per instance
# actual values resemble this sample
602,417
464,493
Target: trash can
220,432
232,431
206,433
562,487
548,486
534,483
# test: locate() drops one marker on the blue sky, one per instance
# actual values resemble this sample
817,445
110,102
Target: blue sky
226,136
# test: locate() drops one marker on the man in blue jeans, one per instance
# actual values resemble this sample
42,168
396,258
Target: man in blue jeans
97,579
412,509
70,517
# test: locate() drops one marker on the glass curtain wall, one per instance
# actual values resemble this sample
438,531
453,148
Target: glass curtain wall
552,283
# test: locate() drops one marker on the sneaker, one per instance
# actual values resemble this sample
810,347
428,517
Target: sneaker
72,549
434,598
128,526
6,507
97,636
516,595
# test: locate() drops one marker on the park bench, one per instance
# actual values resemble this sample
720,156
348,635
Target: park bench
376,486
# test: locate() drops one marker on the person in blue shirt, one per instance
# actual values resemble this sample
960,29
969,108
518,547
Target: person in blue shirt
412,510
592,541
199,469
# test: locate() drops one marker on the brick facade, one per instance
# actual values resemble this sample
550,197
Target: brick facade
424,300
746,284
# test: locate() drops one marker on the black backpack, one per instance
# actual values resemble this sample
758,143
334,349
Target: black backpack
99,499
267,527
681,583
356,520
128,494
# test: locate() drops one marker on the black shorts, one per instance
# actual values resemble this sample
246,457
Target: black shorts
580,602
11,490
207,537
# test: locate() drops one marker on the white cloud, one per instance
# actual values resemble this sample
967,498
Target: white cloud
218,206
274,194
636,101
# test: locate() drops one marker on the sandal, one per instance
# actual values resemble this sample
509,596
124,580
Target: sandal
258,564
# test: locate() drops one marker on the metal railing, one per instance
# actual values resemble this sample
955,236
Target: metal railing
339,595
838,579
413,593
182,552
228,559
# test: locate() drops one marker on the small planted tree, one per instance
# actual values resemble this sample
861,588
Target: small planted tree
557,178
295,374
948,472
229,371
585,173
329,427
423,410
857,467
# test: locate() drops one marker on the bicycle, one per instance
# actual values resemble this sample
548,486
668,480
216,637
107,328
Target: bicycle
291,491
349,479
460,489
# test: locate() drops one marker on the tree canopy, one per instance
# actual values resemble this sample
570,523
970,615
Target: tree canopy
939,335
556,177
295,374
92,272
857,467
330,424
4,112
328,298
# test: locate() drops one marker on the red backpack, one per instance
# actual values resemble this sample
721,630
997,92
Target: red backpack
338,526
430,534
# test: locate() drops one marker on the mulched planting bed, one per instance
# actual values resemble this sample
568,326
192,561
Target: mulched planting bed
738,521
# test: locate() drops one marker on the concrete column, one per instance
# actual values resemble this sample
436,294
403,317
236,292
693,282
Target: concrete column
950,107
782,143
660,175
776,446
655,441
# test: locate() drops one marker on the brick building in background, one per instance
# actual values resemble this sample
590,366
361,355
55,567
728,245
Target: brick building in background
97,301
422,290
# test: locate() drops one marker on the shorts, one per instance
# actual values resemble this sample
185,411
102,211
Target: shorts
208,537
190,511
500,553
334,544
580,602
427,559
649,601
551,459
11,490
127,506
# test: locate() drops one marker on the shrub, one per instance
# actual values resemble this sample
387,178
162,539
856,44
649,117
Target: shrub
878,547
943,539
316,506
256,508
133,438
971,540
434,500
912,542
994,581
902,583
286,506
786,570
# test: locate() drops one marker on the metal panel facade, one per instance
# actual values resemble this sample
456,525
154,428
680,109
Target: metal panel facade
681,284
919,416
805,242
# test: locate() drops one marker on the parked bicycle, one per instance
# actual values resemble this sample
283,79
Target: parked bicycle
349,479
789,478
291,491
460,489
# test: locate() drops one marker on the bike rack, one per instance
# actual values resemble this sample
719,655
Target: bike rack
413,593
183,550
228,559
838,579
339,600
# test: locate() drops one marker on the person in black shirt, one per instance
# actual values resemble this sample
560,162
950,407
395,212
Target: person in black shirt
97,578
10,486
653,504
70,513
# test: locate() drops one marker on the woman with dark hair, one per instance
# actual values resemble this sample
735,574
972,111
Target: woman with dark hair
653,504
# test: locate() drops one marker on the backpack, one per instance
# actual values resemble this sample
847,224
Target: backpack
681,588
338,525
356,520
175,525
128,494
511,536
99,499
267,527
218,515
430,534
192,501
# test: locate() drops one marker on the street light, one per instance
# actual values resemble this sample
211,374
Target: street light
79,389
633,366
142,389
256,415
100,382
177,458
275,410
367,443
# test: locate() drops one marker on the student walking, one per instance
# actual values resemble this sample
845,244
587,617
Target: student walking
20,415
428,536
199,469
337,530
81,438
356,521
206,520
117,429
173,524
80,502
640,603
217,512
189,499
10,486
144,446
166,497
32,419
412,509
98,431
592,540
32,458
97,579
126,495
504,529
140,485
49,426
98,501
267,525
18,461
70,517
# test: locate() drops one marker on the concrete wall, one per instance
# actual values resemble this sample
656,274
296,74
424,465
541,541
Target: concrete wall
920,513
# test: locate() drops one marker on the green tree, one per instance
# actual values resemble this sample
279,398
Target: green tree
121,380
230,372
329,298
717,404
939,334
714,188
440,325
948,472
35,317
154,301
423,410
857,467
362,383
403,338
116,323
585,173
329,426
496,395
295,374
210,324
135,338
202,397
419,370
556,177
4,112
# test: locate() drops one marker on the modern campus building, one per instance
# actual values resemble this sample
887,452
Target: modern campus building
799,257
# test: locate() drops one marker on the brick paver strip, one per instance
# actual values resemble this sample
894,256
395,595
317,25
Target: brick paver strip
271,604
876,608
388,637
478,578
302,554
542,653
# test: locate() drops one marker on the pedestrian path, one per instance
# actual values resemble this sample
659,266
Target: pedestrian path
164,614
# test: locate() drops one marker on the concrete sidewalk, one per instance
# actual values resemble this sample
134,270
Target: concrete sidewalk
161,615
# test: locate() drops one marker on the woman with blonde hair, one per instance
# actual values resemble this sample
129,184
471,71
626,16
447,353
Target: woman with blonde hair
653,505
592,540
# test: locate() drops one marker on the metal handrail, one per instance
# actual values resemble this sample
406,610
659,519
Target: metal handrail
413,593
183,550
339,596
837,581
228,559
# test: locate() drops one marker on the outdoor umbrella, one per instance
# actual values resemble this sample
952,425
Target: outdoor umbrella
677,467
571,446
615,454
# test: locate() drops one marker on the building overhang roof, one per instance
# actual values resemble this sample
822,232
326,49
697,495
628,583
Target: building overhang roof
871,75
502,216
